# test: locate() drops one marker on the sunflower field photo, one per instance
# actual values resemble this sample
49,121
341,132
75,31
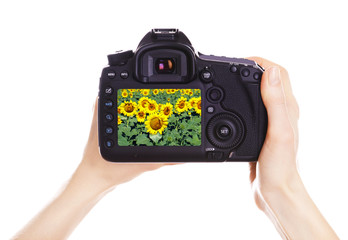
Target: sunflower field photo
159,117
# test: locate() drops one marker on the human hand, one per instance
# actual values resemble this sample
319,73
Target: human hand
278,188
276,167
110,173
93,178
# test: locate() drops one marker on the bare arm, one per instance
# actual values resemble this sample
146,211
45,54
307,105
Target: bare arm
278,188
93,178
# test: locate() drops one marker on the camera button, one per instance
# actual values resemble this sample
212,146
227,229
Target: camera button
210,109
245,72
206,75
257,76
111,74
109,130
109,117
124,74
109,90
224,131
109,143
108,103
214,95
234,69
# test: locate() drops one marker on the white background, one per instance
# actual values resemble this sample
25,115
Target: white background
51,57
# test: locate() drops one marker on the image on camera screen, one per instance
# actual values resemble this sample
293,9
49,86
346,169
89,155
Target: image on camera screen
159,117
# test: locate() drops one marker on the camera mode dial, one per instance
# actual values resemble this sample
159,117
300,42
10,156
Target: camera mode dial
120,58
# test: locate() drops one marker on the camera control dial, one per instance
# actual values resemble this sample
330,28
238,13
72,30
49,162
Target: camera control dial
225,130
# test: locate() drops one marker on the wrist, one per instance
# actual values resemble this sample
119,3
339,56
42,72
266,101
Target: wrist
87,184
293,212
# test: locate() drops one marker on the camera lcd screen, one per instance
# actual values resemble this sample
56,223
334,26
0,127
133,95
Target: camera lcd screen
159,117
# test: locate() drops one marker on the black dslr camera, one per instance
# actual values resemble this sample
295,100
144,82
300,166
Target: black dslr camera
164,103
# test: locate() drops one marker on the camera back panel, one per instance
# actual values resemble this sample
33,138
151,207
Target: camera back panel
164,103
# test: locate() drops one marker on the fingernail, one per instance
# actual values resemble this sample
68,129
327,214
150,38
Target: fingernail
274,76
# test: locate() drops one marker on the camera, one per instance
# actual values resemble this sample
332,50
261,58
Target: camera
166,103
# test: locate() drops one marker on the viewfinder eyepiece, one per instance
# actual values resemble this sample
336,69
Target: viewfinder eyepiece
164,65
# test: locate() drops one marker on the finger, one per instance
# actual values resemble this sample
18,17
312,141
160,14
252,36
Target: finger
280,128
289,96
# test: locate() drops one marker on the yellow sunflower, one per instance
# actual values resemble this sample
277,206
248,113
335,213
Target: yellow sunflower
167,109
124,93
172,90
145,92
192,102
156,123
143,102
152,106
129,108
119,110
168,91
181,105
119,121
198,106
155,91
141,115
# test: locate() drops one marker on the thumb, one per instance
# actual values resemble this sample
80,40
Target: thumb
273,95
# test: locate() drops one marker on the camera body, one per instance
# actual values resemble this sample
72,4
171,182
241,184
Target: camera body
165,103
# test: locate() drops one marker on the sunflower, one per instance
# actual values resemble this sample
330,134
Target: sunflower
156,123
187,91
168,91
131,90
129,108
119,110
181,105
198,106
152,106
145,92
167,109
119,121
155,91
143,102
124,93
172,90
141,115
168,99
192,102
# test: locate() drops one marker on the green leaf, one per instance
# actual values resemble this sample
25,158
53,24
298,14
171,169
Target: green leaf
162,143
142,139
123,117
196,141
156,137
196,119
132,133
125,129
122,141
